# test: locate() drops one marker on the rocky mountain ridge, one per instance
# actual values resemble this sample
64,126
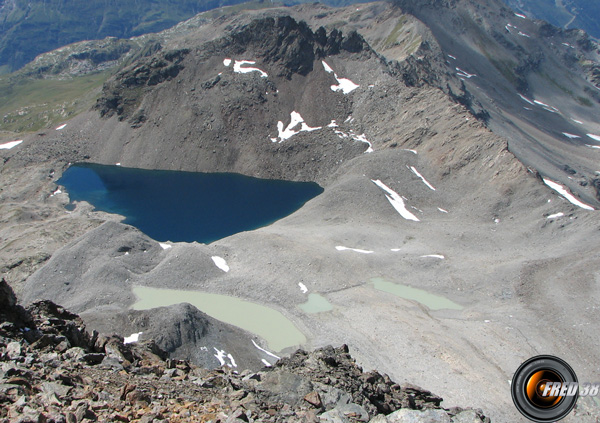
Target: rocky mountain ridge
53,370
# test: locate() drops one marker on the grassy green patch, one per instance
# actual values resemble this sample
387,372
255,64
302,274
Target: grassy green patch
584,101
506,68
31,104
557,84
393,37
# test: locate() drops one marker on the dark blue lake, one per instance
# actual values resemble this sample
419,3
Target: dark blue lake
186,206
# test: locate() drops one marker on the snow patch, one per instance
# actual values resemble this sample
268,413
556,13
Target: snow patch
58,191
303,287
592,146
222,356
565,193
572,136
520,16
577,121
226,62
442,210
546,106
266,363
237,67
412,151
355,137
118,164
288,132
61,127
265,351
356,250
522,34
396,201
332,124
526,99
134,337
164,246
556,215
464,74
363,138
594,137
220,263
416,172
231,360
395,250
452,57
327,68
437,256
9,145
344,84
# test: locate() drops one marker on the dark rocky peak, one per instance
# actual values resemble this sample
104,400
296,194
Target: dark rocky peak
289,45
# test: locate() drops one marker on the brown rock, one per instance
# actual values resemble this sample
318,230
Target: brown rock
314,399
125,390
138,397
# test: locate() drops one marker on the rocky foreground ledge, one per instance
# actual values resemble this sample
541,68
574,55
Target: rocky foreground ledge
53,370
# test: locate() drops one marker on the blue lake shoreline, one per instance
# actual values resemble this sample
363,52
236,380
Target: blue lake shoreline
186,206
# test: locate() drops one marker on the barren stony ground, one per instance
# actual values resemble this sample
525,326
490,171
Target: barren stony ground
527,282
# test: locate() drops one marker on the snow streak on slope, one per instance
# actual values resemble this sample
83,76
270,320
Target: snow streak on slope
356,250
526,99
416,172
344,85
464,74
9,145
396,201
565,193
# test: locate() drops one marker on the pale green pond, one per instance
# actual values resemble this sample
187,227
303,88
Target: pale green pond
316,304
269,324
433,302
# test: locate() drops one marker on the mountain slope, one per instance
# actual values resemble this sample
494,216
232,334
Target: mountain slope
582,14
539,84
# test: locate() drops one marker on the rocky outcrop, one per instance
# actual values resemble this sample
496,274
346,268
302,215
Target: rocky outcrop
292,45
123,93
53,370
